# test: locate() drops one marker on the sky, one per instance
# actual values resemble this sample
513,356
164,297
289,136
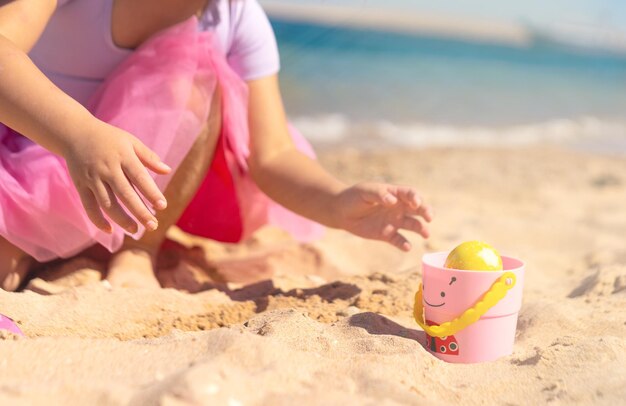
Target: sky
585,14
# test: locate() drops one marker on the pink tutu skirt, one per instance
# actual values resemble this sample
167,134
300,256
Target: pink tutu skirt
9,325
161,94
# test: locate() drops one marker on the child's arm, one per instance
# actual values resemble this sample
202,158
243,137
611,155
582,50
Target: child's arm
104,162
300,184
17,14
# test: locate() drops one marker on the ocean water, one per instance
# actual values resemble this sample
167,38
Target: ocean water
363,85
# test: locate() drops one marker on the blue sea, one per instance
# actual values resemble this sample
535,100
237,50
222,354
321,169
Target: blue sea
413,89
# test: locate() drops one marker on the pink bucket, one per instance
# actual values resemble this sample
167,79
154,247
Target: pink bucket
448,293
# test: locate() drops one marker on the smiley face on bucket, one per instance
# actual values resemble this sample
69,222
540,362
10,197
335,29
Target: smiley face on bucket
442,295
444,345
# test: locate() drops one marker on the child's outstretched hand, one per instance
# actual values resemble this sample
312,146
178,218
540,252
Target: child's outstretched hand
378,211
108,167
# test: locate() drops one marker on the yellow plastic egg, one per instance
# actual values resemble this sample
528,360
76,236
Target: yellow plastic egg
474,256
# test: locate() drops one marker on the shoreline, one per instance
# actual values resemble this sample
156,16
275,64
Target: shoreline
331,131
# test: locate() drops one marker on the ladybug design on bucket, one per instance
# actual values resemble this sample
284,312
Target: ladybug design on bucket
443,345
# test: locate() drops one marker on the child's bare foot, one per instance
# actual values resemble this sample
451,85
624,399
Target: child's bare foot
14,266
133,268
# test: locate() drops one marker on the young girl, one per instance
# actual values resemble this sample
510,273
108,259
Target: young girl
124,117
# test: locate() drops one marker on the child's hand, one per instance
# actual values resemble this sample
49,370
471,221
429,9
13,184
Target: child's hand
377,211
108,164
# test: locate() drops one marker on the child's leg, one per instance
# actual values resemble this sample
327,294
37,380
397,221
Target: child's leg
14,265
133,265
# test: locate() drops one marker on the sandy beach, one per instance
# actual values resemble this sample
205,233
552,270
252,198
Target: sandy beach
274,322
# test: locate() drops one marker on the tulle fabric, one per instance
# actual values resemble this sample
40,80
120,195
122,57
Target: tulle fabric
9,325
161,94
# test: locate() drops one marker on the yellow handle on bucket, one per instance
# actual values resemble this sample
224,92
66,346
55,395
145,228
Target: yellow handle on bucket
496,292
